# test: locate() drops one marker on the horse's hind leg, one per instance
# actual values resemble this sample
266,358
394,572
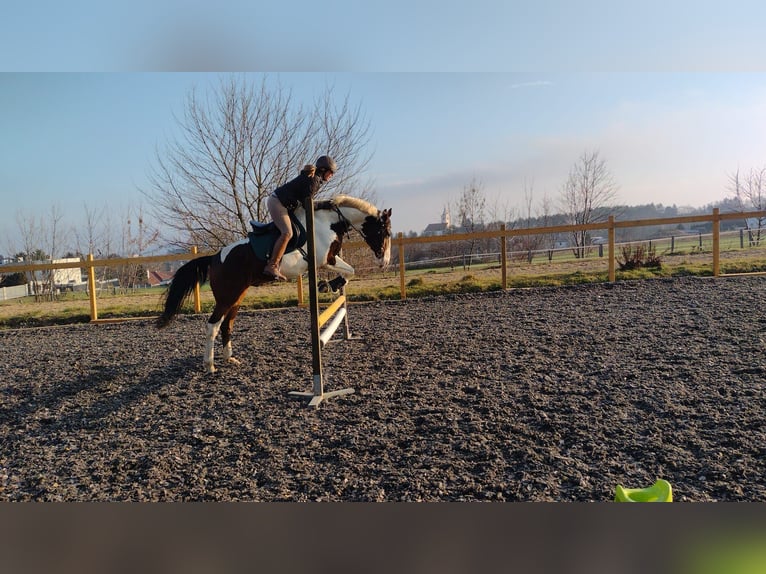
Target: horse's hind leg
213,326
226,326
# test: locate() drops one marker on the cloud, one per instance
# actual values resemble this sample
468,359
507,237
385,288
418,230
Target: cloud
658,152
534,84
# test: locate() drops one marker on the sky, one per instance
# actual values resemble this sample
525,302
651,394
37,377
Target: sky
508,94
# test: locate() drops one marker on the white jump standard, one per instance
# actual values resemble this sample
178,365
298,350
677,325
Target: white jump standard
332,316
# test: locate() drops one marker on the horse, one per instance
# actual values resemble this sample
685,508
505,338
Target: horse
236,267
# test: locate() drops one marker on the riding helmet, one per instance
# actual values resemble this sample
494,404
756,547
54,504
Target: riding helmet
326,162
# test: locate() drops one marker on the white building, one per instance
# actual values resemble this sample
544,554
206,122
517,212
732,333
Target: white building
62,277
439,228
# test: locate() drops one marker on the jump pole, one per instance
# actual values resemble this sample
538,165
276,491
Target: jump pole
332,316
318,395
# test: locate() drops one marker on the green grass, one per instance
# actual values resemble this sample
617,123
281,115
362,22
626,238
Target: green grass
74,307
744,266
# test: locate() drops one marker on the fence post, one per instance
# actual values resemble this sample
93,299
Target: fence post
611,249
503,258
197,300
716,242
300,290
92,288
402,290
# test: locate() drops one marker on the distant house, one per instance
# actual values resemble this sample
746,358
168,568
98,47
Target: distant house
435,229
61,277
441,228
68,277
159,278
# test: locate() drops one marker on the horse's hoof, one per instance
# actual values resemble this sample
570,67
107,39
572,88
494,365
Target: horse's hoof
323,286
209,369
337,284
233,361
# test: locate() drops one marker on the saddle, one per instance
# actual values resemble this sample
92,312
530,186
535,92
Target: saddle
263,236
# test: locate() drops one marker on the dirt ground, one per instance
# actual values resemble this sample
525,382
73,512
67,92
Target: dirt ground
550,394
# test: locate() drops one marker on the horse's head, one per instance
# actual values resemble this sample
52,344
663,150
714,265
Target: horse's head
373,224
377,234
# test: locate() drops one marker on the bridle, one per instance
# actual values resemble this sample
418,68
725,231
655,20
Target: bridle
348,225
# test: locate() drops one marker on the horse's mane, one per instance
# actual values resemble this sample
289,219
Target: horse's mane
347,201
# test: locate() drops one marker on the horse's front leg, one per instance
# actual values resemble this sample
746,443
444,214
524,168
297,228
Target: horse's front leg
333,285
226,326
340,266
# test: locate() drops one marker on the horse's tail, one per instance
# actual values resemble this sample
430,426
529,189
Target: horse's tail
183,283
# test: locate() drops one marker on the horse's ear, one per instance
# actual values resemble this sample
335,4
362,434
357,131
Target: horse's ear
386,213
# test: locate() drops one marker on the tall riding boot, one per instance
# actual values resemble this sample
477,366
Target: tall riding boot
272,267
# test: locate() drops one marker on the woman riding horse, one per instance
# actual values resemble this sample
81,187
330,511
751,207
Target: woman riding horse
236,267
285,200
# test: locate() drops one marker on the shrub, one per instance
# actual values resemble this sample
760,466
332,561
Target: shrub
636,257
13,279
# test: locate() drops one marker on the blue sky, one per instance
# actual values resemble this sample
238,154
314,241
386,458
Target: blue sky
383,35
668,138
672,94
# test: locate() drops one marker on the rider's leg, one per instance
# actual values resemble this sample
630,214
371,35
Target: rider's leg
272,267
281,219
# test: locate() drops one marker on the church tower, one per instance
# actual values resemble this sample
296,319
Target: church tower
445,218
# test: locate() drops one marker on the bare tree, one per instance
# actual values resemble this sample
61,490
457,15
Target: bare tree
588,191
239,144
53,238
546,213
31,235
471,206
90,235
499,213
344,133
529,243
471,209
749,194
137,238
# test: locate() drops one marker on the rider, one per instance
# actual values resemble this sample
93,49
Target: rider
286,198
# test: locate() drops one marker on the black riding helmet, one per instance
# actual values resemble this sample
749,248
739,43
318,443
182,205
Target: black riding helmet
325,162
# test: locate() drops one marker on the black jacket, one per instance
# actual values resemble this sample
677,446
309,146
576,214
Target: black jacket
292,193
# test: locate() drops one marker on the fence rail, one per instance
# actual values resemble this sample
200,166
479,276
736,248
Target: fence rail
400,242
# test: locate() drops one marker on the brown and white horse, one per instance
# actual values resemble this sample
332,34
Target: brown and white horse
235,268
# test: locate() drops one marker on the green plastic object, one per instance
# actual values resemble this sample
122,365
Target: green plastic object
660,491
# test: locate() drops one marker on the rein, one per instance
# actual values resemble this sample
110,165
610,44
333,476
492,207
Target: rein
342,218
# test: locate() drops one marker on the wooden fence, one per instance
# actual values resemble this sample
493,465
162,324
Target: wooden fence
13,292
401,242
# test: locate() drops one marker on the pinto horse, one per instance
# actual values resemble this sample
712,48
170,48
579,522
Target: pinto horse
236,267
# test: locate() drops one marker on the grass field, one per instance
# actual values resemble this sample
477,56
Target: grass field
687,259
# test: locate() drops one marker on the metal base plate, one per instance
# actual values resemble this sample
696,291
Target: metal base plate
316,399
